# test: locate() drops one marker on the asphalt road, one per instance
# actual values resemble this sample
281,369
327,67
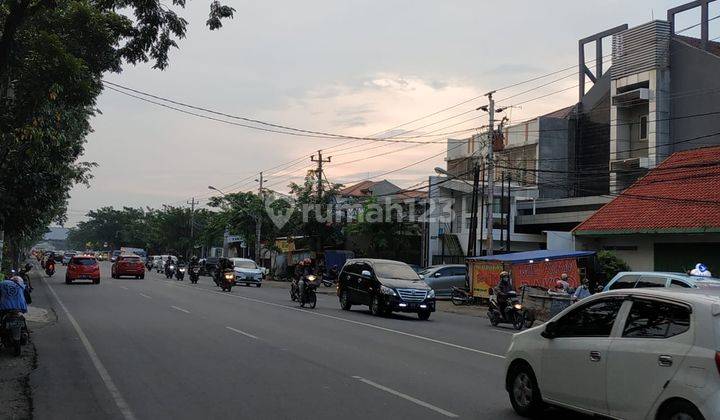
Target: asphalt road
158,349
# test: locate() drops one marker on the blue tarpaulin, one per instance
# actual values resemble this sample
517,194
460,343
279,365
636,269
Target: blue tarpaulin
536,256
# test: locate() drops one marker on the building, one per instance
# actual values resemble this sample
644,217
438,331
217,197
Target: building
668,220
660,95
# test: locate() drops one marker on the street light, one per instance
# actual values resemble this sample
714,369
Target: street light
210,187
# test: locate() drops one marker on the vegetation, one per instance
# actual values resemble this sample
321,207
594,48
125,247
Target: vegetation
53,54
610,265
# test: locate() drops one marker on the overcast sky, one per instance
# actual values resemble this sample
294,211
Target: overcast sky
350,67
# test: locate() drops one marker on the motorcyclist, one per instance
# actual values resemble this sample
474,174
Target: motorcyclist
168,263
12,296
223,265
503,288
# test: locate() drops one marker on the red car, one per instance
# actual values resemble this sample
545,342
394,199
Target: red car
83,267
128,265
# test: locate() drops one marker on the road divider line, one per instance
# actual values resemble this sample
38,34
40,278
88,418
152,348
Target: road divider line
242,332
120,402
123,287
406,397
350,321
145,296
180,309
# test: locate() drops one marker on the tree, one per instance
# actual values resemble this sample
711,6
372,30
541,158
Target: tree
53,54
609,265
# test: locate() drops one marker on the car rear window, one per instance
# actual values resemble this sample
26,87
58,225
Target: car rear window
83,261
130,259
650,319
625,282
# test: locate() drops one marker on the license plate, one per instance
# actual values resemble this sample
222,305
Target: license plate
13,323
85,276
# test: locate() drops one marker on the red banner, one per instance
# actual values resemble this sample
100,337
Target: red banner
545,273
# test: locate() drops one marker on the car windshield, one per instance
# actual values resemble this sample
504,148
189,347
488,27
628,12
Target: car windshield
245,264
395,271
83,261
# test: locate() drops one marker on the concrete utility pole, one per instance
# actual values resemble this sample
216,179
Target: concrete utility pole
258,222
491,170
319,172
192,225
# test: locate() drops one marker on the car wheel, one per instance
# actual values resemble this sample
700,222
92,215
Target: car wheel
524,392
375,307
96,281
67,281
680,410
142,277
345,301
424,315
258,285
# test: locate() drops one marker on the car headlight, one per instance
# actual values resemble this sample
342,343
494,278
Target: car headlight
311,278
431,294
517,306
387,291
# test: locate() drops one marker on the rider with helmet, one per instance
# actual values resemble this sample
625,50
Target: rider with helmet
503,288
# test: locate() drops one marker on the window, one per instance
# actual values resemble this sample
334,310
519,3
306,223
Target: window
458,271
352,268
651,319
651,281
643,127
678,283
595,319
625,282
83,261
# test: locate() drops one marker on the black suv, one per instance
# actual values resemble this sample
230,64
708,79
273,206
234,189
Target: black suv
385,286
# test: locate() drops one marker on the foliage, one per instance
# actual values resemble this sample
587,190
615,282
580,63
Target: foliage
377,233
609,265
53,54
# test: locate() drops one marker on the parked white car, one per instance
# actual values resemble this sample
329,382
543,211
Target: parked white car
246,271
629,354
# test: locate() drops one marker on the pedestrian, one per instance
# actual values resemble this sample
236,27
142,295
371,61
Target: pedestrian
582,291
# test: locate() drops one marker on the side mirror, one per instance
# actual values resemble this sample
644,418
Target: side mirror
550,331
491,291
366,273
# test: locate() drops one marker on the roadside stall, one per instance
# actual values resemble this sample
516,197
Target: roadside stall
533,273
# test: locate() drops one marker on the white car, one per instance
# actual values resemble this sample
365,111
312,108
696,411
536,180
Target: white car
246,271
627,354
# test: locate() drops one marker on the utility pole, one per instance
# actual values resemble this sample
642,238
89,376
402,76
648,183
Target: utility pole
258,222
472,239
319,172
491,170
192,224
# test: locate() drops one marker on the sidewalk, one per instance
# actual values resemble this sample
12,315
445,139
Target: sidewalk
442,305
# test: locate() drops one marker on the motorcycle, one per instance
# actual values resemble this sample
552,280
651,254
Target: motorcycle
13,331
180,273
194,274
330,278
514,312
226,281
308,295
50,268
170,271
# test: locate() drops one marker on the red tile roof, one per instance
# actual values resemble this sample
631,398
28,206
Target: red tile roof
361,189
681,195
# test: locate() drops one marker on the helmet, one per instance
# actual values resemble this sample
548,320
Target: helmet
504,274
564,276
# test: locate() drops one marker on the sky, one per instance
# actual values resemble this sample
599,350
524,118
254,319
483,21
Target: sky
356,68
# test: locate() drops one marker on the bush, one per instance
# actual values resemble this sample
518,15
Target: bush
609,265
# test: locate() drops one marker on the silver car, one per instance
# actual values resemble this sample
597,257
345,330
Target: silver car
442,278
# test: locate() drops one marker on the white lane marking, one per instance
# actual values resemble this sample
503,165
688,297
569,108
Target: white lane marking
120,402
377,327
123,287
406,397
501,331
180,309
145,296
242,332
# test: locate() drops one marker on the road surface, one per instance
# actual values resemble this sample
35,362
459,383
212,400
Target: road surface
164,349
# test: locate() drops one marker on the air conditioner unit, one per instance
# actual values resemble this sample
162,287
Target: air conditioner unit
631,164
